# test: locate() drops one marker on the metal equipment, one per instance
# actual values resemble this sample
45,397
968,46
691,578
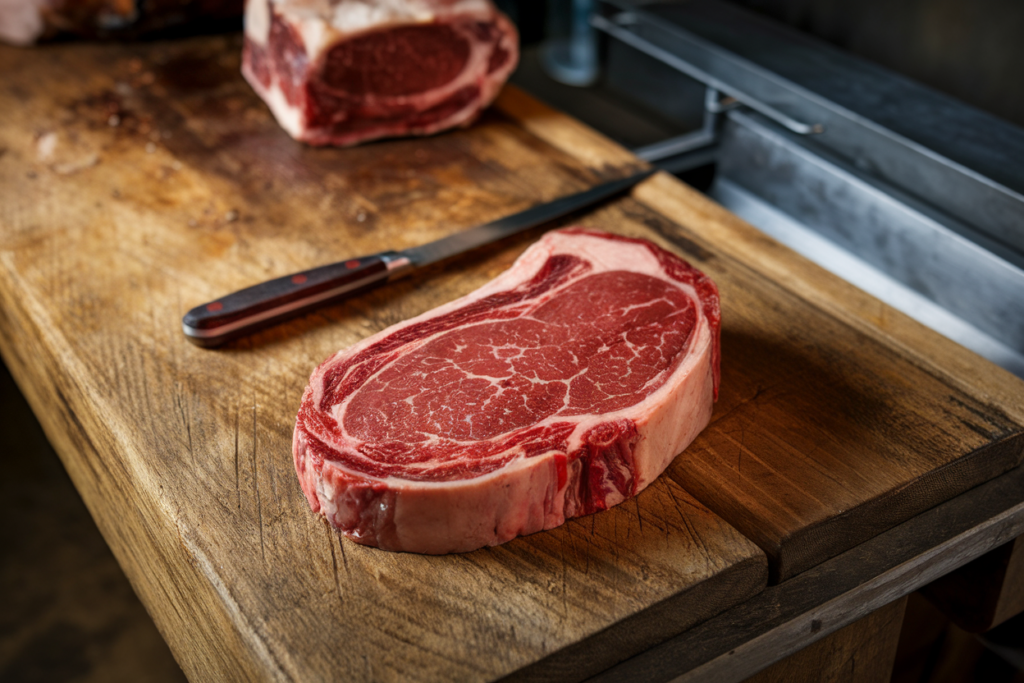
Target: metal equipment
909,194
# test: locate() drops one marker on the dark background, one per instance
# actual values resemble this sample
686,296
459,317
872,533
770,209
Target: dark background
970,49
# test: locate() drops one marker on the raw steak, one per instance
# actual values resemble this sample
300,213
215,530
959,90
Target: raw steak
23,22
562,387
341,72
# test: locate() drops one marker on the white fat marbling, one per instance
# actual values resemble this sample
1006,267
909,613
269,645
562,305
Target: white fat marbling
325,21
257,21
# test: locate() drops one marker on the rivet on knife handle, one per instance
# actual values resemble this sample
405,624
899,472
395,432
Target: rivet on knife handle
247,310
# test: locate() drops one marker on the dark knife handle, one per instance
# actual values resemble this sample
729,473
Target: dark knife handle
249,309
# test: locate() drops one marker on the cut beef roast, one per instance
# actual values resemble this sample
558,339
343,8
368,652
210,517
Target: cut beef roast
562,387
23,22
341,72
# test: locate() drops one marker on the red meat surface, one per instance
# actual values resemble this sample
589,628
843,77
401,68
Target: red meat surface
561,388
340,72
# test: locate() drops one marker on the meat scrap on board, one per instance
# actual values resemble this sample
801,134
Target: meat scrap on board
561,388
340,72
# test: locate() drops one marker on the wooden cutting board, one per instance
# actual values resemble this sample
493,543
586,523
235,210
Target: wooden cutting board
839,417
138,181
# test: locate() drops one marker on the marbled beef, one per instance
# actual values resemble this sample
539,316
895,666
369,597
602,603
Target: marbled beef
340,72
562,387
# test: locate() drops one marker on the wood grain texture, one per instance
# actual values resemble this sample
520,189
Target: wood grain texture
839,417
786,618
131,194
862,652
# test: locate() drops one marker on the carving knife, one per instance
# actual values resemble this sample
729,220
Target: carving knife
243,312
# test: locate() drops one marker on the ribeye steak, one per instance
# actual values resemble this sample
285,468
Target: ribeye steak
560,388
341,72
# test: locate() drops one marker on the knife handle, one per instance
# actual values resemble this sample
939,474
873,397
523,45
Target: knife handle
252,308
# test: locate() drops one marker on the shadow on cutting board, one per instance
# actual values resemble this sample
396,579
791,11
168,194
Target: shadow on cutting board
69,613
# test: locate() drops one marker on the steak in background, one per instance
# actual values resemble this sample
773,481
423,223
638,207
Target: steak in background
23,22
340,72
562,387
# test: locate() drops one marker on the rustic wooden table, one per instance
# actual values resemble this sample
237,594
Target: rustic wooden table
137,181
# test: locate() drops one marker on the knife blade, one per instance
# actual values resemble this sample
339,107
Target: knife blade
247,310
